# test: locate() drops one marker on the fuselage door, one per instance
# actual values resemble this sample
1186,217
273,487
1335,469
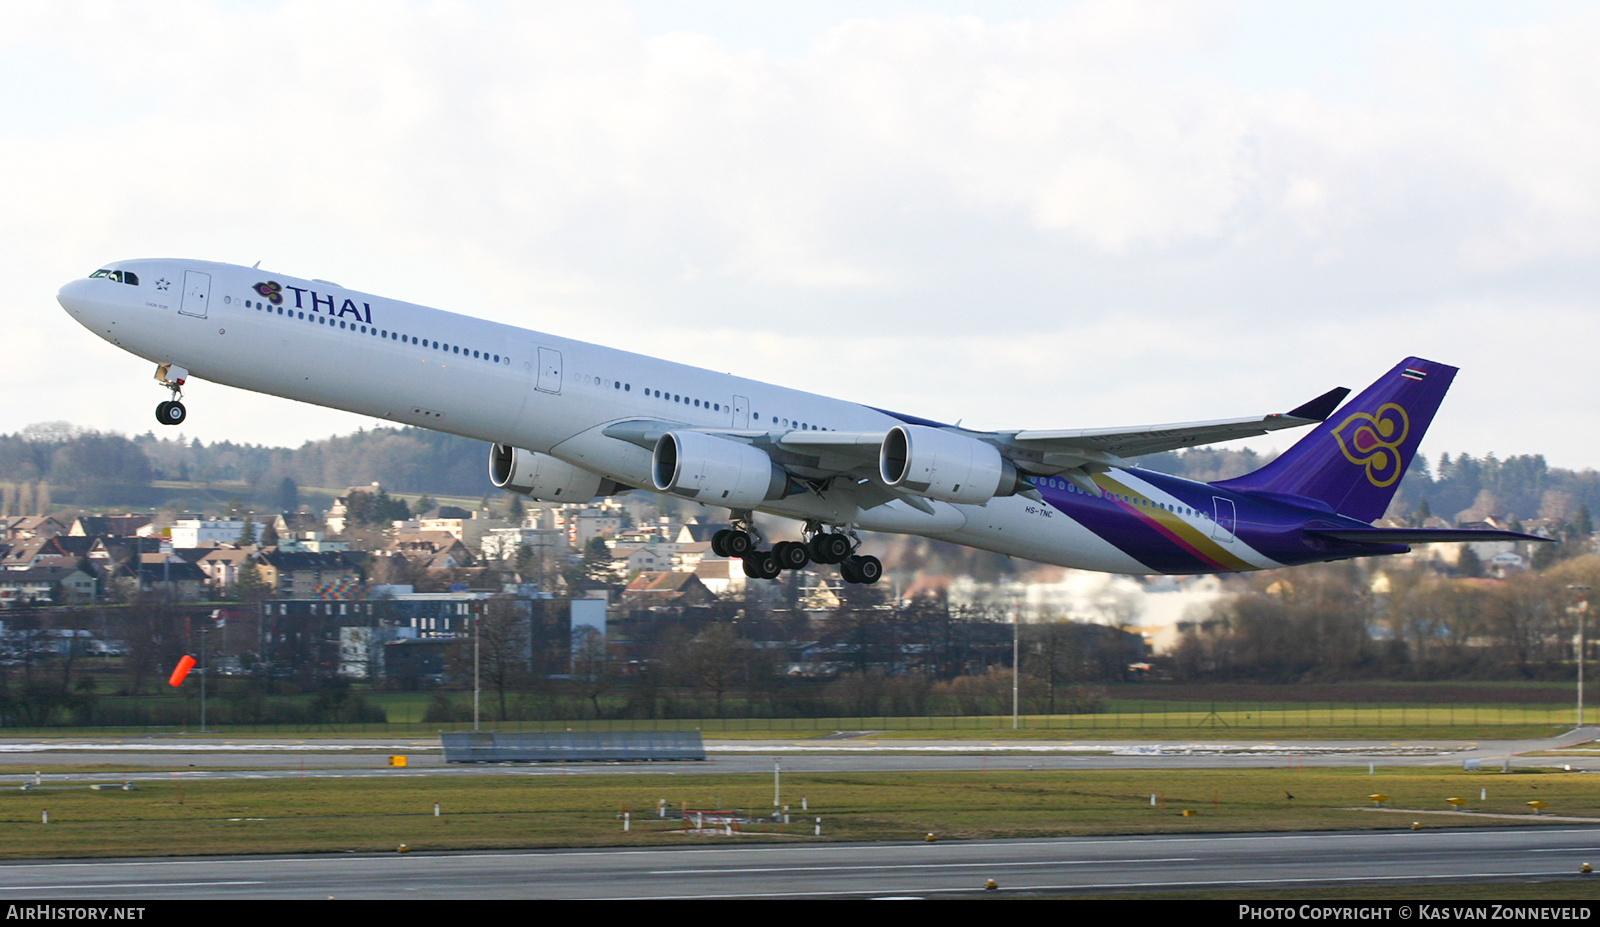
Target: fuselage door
1227,520
741,412
196,293
550,370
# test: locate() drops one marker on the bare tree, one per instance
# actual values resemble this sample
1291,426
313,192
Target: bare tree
594,673
504,648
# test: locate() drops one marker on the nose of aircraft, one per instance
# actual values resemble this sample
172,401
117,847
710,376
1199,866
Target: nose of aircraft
74,297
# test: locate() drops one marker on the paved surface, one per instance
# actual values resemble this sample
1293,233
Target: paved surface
211,757
1553,850
1021,867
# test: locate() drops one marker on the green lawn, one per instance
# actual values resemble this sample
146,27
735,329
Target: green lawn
1120,720
376,814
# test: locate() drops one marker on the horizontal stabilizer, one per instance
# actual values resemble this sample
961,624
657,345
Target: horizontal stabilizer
1419,535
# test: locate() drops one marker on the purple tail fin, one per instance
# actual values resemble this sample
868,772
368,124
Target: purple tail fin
1353,462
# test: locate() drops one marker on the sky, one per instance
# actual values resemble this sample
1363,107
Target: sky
1011,214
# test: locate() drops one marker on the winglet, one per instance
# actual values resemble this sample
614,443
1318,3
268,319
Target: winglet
1318,409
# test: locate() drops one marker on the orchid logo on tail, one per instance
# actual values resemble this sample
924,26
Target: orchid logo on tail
1373,441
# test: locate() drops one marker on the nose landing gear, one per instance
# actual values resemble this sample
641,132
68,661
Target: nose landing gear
172,411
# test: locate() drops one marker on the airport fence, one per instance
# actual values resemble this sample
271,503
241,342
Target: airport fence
1161,718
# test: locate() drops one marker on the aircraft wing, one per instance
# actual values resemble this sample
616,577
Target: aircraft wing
1072,454
1108,445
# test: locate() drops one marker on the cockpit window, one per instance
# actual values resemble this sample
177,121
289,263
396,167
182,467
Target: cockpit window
121,276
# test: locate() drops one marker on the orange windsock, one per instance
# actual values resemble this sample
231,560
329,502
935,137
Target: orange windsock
182,670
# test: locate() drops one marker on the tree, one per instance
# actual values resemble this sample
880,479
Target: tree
1052,652
248,586
366,509
596,570
710,661
1583,524
504,648
864,629
593,671
102,469
288,495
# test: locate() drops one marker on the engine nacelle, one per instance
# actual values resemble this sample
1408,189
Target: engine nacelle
715,471
944,465
545,478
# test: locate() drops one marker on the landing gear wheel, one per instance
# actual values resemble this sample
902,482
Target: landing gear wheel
830,548
791,555
865,570
761,564
171,412
736,544
719,541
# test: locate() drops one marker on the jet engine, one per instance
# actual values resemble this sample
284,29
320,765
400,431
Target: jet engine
945,465
715,471
546,478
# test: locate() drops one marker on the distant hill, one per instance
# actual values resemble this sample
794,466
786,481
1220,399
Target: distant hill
1455,488
88,468
94,469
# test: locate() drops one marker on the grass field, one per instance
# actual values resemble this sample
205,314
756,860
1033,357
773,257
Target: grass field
334,815
1122,720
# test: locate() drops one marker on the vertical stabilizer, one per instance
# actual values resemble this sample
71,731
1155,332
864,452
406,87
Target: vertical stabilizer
1353,462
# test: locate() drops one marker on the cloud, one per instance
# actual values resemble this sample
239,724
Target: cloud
1087,211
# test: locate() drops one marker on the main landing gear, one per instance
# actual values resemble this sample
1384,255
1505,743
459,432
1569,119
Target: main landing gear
743,541
172,411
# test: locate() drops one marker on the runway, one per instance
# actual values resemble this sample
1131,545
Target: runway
1020,867
944,869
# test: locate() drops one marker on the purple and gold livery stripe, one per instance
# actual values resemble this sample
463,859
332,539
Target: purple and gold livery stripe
1175,528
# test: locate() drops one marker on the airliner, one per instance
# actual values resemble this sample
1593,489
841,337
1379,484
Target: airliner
570,422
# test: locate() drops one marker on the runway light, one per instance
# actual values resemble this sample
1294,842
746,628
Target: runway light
178,673
990,885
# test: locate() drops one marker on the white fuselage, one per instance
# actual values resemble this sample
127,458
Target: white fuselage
412,365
